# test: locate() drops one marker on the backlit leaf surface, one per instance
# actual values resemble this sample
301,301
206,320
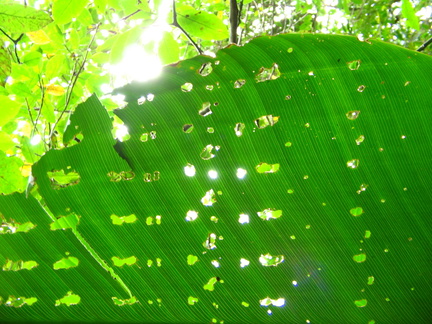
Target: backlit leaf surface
316,231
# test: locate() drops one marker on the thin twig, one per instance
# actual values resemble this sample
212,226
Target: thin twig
244,29
128,16
424,45
176,24
74,79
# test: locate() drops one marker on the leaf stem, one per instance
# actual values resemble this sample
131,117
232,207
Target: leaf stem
176,24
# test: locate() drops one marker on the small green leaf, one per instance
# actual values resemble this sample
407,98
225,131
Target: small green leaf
168,49
409,13
19,19
9,109
54,66
32,58
65,10
11,179
6,142
201,24
5,65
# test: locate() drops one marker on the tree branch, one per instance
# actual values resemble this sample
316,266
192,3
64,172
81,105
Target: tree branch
15,42
233,17
176,24
424,45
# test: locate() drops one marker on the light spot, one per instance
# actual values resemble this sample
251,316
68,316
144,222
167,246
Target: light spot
209,87
192,259
68,300
65,222
357,211
290,50
205,69
210,284
354,65
192,300
363,187
361,88
266,74
66,263
158,219
267,168
156,176
210,130
353,164
126,261
275,302
13,227
210,242
238,128
288,97
189,170
17,302
311,73
264,121
244,263
214,219
147,177
122,302
241,173
353,114
114,176
215,263
307,125
209,198
127,175
359,258
269,213
187,87
360,139
207,153
239,83
141,100
361,303
294,283
243,219
205,110
191,215
19,265
268,260
59,179
403,137
212,174
149,220
188,128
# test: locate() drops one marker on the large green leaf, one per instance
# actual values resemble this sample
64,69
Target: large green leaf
65,10
16,18
334,137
